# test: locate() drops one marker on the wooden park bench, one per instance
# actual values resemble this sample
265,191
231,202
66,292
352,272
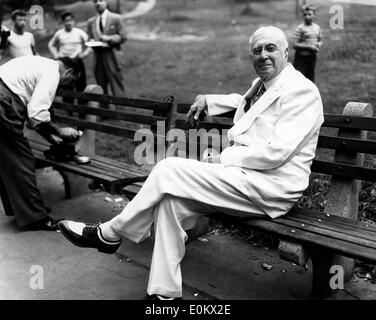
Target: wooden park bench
324,236
85,112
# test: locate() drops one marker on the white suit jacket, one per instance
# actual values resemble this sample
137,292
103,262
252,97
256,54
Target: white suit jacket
275,140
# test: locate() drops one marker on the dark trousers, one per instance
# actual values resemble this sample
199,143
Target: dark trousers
305,64
18,189
108,72
80,84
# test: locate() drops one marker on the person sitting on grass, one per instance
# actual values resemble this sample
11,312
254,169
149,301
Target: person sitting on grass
262,173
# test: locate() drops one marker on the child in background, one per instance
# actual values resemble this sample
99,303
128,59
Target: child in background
307,43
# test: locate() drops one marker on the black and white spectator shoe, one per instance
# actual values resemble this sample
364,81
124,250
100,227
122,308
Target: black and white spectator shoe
87,235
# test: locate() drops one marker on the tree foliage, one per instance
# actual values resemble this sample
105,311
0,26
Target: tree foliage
10,5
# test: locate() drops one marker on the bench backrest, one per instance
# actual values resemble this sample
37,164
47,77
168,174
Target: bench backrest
345,142
138,112
348,142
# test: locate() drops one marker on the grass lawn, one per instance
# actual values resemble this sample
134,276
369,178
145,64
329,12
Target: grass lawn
183,48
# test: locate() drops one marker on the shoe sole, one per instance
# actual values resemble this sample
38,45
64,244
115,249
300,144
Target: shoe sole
62,229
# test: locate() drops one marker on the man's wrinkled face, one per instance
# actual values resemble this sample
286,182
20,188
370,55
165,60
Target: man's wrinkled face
100,5
268,54
20,23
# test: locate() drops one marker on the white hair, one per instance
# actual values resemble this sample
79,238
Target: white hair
277,32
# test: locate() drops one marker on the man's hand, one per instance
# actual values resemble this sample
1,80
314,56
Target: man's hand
54,139
68,133
315,47
105,38
196,108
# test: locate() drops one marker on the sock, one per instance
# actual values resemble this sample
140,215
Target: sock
107,234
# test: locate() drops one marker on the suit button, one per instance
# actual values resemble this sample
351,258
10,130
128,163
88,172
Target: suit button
231,143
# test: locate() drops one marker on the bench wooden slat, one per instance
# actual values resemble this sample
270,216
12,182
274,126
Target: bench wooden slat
103,172
315,215
131,190
111,168
331,120
117,165
213,124
73,168
347,144
163,107
118,115
328,224
132,179
106,128
86,124
121,167
344,170
91,167
338,246
95,167
342,121
116,173
183,108
329,231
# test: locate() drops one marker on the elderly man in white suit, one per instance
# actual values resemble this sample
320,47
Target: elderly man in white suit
264,171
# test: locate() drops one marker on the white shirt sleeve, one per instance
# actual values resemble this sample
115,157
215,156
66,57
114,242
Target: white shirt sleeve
83,35
43,95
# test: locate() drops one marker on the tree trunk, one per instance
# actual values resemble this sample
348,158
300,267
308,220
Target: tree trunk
298,5
118,6
232,4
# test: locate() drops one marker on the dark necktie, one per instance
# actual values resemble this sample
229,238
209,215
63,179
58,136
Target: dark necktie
100,24
251,101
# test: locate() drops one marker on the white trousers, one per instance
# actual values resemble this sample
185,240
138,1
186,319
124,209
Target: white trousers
175,194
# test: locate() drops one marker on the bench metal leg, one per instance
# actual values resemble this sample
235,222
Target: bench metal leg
67,185
322,261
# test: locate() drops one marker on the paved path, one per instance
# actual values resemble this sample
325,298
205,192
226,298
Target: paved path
141,9
223,267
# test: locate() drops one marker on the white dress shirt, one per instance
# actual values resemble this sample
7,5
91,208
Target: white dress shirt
35,80
104,20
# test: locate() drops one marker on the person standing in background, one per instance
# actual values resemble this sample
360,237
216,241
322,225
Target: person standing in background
307,43
107,27
70,42
20,42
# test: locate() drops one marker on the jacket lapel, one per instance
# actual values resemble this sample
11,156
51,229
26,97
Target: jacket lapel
243,121
246,121
94,29
108,23
250,93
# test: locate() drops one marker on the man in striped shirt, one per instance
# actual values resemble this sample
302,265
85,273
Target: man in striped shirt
307,43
